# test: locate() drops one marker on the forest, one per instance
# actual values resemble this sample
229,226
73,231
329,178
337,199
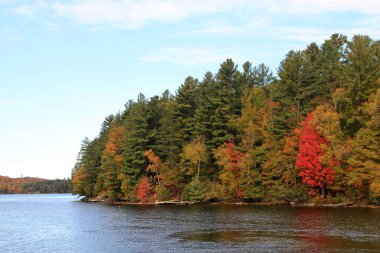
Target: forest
33,185
309,133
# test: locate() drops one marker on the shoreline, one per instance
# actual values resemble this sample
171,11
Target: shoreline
36,193
186,203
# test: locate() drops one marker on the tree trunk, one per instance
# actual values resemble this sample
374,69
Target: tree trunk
158,179
199,168
324,191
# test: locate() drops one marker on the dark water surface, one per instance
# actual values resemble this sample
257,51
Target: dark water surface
59,223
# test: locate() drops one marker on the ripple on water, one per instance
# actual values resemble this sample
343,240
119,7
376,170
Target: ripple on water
322,241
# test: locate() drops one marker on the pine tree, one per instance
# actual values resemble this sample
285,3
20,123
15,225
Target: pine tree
262,76
295,76
169,140
206,109
186,104
329,66
88,167
361,73
136,126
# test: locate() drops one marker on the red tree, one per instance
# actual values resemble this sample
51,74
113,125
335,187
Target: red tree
230,158
143,189
309,158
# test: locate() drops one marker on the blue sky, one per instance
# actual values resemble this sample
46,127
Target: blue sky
66,65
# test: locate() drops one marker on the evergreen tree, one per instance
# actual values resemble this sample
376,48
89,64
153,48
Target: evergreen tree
169,139
186,104
329,66
136,126
361,73
88,168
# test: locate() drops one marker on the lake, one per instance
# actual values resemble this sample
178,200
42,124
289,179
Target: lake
60,223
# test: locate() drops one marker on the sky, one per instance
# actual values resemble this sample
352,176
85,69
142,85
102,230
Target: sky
66,65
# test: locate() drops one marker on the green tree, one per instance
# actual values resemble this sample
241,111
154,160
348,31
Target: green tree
186,104
196,190
87,167
168,140
136,126
361,72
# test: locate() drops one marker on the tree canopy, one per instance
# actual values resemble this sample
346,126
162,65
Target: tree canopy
310,132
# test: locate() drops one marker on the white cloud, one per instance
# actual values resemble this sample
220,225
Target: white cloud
53,27
24,10
134,14
250,15
370,7
223,28
245,17
188,56
300,33
30,9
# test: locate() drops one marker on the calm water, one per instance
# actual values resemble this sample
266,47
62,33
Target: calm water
59,223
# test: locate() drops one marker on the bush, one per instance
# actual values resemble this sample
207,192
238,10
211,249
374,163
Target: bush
196,191
163,193
215,191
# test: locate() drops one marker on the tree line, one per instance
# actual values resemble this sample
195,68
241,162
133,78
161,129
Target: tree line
308,134
33,185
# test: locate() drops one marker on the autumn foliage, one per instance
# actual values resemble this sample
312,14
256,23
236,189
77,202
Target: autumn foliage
230,159
310,155
154,164
244,134
143,189
33,185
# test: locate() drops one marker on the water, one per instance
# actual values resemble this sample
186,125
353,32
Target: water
59,223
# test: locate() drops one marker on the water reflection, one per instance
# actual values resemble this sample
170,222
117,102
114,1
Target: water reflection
59,224
310,226
324,229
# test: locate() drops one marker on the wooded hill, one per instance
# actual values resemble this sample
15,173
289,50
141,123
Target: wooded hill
33,185
308,134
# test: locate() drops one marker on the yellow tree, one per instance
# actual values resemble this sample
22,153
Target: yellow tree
79,181
364,160
154,164
231,160
195,152
327,122
252,123
288,157
374,123
113,163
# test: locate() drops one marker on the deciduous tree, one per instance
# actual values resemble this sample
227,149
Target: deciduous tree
309,158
